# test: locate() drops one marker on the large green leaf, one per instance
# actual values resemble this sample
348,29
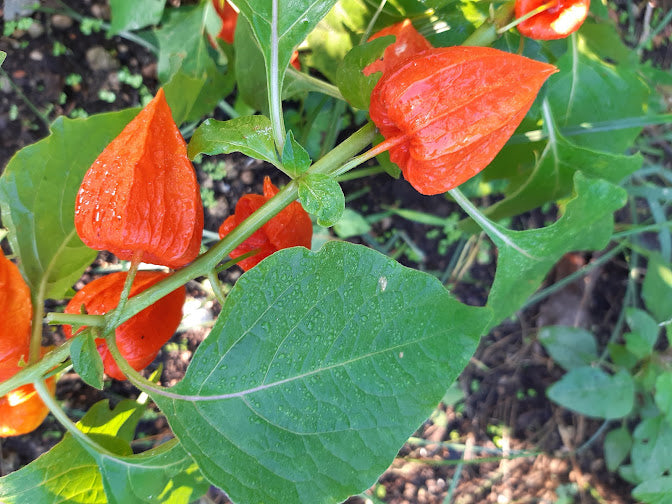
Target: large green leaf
37,199
588,90
134,15
586,224
68,473
319,367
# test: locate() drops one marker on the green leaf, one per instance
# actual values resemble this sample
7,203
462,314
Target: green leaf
250,68
190,97
86,360
127,15
651,448
166,474
657,288
295,159
654,490
663,394
552,175
323,197
642,339
587,90
594,393
605,41
251,135
351,224
353,84
621,356
3,55
586,224
570,347
37,200
617,444
318,369
45,480
183,43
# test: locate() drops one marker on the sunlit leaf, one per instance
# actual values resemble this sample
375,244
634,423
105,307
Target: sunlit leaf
68,473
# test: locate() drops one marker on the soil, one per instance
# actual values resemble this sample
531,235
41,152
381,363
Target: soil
551,453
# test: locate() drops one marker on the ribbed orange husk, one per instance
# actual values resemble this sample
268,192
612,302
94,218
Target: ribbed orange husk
22,411
407,44
17,312
229,18
558,21
141,193
291,227
455,107
141,337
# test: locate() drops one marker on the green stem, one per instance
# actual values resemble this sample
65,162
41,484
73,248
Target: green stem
274,98
486,224
35,371
492,28
128,284
216,287
316,84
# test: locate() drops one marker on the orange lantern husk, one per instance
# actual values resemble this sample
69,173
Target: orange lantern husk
448,111
141,194
408,43
559,20
140,338
229,17
21,410
291,227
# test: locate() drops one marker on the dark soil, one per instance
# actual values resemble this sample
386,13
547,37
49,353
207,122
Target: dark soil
551,452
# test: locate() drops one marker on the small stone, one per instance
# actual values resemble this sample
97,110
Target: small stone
100,11
99,59
35,30
61,21
247,177
36,55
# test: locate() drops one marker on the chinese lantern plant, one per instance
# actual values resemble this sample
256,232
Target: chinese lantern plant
321,363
